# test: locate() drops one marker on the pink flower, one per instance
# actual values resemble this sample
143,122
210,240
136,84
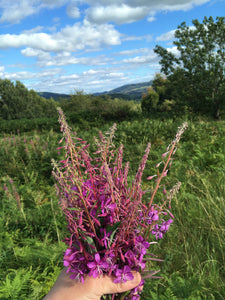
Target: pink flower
123,275
97,266
68,257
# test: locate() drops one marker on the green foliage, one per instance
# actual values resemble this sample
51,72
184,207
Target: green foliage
176,287
196,75
159,99
88,109
149,101
32,225
25,125
16,102
15,284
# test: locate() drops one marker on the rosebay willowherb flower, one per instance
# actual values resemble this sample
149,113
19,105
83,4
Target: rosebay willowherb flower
110,227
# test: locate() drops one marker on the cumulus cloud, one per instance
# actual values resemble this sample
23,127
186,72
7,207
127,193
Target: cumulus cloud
39,54
116,13
71,38
15,11
127,11
41,41
64,58
99,11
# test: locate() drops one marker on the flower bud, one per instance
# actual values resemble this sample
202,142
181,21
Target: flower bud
150,177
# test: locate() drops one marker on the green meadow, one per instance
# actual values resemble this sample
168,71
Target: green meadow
33,227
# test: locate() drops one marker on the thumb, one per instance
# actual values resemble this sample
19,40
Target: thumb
109,287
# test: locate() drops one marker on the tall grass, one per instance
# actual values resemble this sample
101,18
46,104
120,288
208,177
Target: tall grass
32,226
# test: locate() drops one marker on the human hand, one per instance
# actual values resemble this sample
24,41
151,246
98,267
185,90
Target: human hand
91,289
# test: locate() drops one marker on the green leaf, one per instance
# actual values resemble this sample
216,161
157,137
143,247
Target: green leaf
73,208
112,227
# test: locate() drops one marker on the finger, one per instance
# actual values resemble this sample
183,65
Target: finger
109,287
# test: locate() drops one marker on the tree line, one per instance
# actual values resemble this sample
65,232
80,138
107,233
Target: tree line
17,102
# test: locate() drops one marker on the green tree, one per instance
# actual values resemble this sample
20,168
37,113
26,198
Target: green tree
77,102
163,87
17,102
159,96
149,101
6,98
197,71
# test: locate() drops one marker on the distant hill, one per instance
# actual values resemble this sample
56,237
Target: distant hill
133,91
55,96
128,92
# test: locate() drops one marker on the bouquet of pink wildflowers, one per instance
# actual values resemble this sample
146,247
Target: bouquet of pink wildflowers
110,228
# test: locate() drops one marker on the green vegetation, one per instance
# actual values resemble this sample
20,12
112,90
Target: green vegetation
23,110
16,102
32,225
196,73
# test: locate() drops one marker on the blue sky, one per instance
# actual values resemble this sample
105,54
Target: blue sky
91,45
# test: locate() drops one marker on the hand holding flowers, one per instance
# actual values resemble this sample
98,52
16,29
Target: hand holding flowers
110,227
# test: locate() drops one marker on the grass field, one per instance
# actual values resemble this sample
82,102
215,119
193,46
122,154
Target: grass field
32,225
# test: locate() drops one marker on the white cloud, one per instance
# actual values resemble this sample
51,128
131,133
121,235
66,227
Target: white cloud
73,11
151,18
71,38
59,60
15,11
147,37
46,59
117,13
166,36
150,57
41,55
100,11
95,80
171,5
33,30
25,75
41,41
174,51
52,3
170,35
90,72
115,75
127,11
133,51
